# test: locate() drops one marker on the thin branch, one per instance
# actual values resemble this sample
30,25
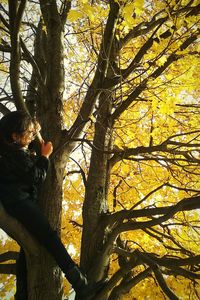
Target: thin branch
174,57
3,109
3,20
181,272
32,61
158,274
8,269
126,103
145,27
81,171
185,204
171,262
124,287
9,255
66,6
19,14
163,285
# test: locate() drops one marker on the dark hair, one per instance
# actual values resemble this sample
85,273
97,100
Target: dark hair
16,121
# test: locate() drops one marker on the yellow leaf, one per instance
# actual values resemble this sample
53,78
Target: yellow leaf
155,104
128,15
89,11
74,15
139,6
161,61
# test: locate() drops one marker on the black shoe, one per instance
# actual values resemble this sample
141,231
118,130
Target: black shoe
90,291
83,289
76,278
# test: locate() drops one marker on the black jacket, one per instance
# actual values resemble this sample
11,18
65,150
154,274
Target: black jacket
20,176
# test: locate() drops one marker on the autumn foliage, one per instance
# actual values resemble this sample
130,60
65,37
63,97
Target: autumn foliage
128,114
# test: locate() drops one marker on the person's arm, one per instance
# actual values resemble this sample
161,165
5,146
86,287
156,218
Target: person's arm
31,169
42,162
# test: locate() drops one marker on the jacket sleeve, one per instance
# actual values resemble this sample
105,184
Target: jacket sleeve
31,170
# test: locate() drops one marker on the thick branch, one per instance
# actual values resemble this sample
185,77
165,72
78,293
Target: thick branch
107,41
141,29
14,229
116,221
50,12
126,103
163,148
54,51
135,151
119,276
15,15
96,85
168,211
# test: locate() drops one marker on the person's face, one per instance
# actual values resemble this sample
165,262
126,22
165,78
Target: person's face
26,137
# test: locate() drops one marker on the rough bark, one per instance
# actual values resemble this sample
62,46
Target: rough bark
100,229
15,14
95,203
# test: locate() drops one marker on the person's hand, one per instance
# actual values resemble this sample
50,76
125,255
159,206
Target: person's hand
37,126
46,149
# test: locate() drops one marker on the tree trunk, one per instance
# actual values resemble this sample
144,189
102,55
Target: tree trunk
44,276
95,203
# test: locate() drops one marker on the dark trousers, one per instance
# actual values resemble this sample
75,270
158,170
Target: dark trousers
21,277
29,214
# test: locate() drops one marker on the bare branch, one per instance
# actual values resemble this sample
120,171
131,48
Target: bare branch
8,269
3,109
163,285
145,27
124,287
185,204
32,61
174,57
66,6
151,263
9,255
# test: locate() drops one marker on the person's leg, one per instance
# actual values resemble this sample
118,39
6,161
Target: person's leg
21,277
30,215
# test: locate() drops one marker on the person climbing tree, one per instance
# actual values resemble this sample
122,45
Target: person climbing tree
22,172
